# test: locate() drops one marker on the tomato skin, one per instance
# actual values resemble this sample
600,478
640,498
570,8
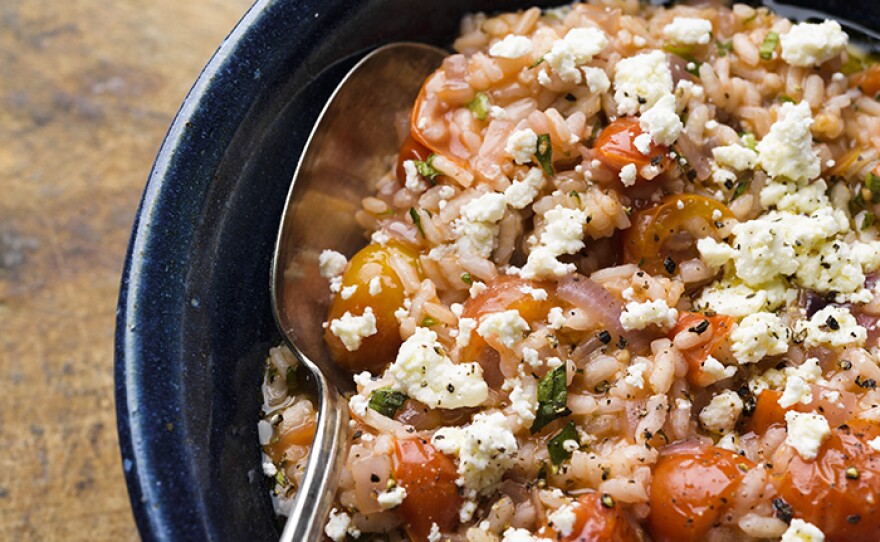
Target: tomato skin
820,492
595,523
867,80
380,348
616,146
431,492
690,490
299,436
720,326
645,242
410,150
768,412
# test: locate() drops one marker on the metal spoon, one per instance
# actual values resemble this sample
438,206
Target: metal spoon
345,155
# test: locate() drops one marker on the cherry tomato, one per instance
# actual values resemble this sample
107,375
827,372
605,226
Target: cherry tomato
769,412
298,436
839,491
502,294
436,111
432,496
691,489
670,230
867,80
380,348
617,148
718,327
596,522
410,150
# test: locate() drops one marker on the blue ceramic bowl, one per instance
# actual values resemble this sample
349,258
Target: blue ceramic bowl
194,321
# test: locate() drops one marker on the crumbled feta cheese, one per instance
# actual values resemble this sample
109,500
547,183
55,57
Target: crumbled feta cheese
530,356
521,194
477,288
662,122
806,433
731,297
832,326
688,31
375,286
506,327
359,404
628,175
562,234
424,372
337,525
363,378
735,157
521,535
486,449
477,228
811,44
802,531
578,47
787,151
635,373
596,79
434,535
722,412
498,113
640,81
465,327
348,291
522,145
511,47
413,179
757,336
563,519
555,318
642,143
391,498
352,330
380,237
538,294
716,370
641,315
331,264
523,399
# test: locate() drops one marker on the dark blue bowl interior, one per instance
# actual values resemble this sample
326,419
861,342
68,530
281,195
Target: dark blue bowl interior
194,321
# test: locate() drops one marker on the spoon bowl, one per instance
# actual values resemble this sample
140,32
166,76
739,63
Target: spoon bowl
345,155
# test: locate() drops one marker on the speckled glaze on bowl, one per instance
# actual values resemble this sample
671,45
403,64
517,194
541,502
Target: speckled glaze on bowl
194,319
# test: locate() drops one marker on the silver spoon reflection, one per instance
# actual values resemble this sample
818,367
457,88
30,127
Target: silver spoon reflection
345,155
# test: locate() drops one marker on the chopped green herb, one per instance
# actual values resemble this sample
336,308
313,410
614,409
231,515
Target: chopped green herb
387,402
769,45
428,322
426,168
868,221
466,278
594,133
552,396
684,51
556,445
607,500
724,47
545,153
750,140
575,195
740,189
417,219
783,98
479,106
857,203
290,377
536,63
873,184
280,477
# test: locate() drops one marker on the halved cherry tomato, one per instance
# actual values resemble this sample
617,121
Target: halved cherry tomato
595,522
867,80
297,436
380,348
839,491
617,148
410,150
718,327
432,496
502,294
769,412
426,113
690,490
670,230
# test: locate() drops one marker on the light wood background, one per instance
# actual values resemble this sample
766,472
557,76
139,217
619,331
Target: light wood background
87,91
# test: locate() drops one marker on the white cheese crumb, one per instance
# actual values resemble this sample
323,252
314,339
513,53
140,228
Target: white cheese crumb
635,373
331,264
562,234
722,412
628,175
662,122
359,404
380,237
521,535
375,286
642,142
555,318
797,383
477,228
641,315
806,433
538,294
391,498
511,46
507,327
352,330
832,326
688,31
578,47
563,519
757,336
521,194
811,44
596,79
348,291
735,157
337,525
477,288
413,179
486,449
424,372
716,370
787,151
646,76
466,326
802,531
434,535
522,145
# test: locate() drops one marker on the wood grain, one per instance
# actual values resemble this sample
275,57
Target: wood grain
87,90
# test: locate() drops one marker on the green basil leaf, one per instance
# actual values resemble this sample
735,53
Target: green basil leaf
545,153
426,168
387,402
873,184
769,45
556,447
740,189
479,106
552,396
417,219
466,278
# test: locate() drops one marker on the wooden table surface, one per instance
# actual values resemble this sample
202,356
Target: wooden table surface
87,91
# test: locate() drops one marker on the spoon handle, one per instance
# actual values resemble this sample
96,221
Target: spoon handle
317,491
